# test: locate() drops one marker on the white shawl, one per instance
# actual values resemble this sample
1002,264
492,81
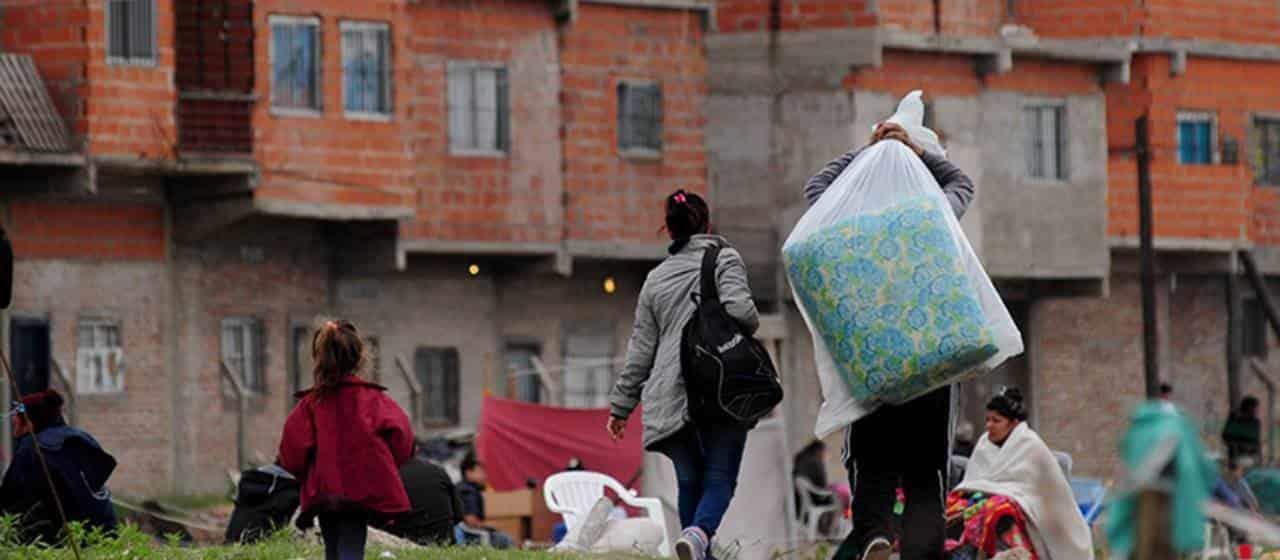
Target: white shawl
1024,470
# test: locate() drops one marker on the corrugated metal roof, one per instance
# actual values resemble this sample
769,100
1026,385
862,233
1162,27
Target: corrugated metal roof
28,119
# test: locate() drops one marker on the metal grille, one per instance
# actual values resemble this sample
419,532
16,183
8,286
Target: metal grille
28,118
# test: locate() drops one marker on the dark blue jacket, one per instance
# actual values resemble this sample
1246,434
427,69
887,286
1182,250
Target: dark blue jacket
79,468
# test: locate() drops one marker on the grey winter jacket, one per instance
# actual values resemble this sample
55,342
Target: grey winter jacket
955,184
651,374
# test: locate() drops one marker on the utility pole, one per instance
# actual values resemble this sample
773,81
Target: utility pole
1150,351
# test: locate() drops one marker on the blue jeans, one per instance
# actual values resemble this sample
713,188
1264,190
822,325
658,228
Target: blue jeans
707,460
344,535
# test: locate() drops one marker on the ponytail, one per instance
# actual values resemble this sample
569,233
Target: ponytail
338,352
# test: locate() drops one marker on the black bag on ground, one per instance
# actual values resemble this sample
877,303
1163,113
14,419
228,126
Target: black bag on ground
727,373
265,500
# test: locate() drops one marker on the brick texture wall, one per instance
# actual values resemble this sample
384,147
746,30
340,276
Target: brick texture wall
328,158
1079,18
950,75
216,281
611,197
87,230
52,32
129,106
514,196
1218,201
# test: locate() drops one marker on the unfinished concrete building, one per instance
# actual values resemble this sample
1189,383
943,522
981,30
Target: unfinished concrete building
1036,100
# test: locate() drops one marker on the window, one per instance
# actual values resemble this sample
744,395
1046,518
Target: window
242,351
1255,328
99,357
1267,160
1195,138
1044,141
588,368
437,373
366,68
295,63
131,31
478,112
520,357
639,117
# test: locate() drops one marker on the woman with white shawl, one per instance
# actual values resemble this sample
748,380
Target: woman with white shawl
1014,502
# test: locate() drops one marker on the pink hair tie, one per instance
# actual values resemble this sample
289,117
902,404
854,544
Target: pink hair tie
680,198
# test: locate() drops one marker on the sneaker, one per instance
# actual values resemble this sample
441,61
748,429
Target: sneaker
878,549
692,545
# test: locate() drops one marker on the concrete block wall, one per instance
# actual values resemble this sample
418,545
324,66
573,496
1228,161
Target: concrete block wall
274,271
613,197
103,260
511,197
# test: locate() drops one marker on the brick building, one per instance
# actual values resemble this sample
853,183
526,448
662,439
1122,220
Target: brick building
473,183
1036,100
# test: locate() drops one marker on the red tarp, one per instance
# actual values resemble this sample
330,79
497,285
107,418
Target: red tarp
518,441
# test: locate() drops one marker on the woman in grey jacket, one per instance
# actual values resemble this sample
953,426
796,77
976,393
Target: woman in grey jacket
706,455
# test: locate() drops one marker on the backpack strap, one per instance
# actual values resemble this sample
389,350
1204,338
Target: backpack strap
710,292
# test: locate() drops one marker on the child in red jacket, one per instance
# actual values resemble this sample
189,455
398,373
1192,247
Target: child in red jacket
346,440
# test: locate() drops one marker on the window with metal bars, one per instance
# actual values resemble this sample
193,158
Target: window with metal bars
1045,141
295,63
479,114
99,357
131,31
437,370
243,351
366,68
1195,138
1267,156
639,117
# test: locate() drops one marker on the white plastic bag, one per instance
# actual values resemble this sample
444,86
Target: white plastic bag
896,300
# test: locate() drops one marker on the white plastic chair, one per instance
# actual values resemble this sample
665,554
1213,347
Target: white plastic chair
572,494
810,512
1217,542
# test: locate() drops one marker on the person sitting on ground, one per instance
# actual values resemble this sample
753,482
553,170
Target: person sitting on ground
811,464
1243,432
471,494
76,462
435,506
1014,498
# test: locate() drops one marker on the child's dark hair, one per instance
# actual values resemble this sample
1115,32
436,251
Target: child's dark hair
1008,403
338,352
687,215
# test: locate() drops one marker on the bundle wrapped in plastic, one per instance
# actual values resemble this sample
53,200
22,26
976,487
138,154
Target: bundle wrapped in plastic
888,284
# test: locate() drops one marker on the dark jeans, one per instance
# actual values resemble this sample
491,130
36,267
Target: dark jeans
344,535
707,461
903,445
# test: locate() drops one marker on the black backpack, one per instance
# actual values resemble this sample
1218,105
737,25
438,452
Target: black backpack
727,373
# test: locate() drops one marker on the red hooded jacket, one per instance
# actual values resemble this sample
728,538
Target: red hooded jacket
346,446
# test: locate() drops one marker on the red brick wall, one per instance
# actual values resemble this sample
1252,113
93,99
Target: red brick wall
509,197
958,17
329,158
612,198
1192,201
52,32
129,107
87,230
1079,18
1246,21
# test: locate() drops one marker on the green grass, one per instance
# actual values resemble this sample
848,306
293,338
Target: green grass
192,503
132,544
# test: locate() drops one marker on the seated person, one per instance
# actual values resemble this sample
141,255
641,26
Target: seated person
436,505
1014,495
266,498
1242,433
76,462
471,494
